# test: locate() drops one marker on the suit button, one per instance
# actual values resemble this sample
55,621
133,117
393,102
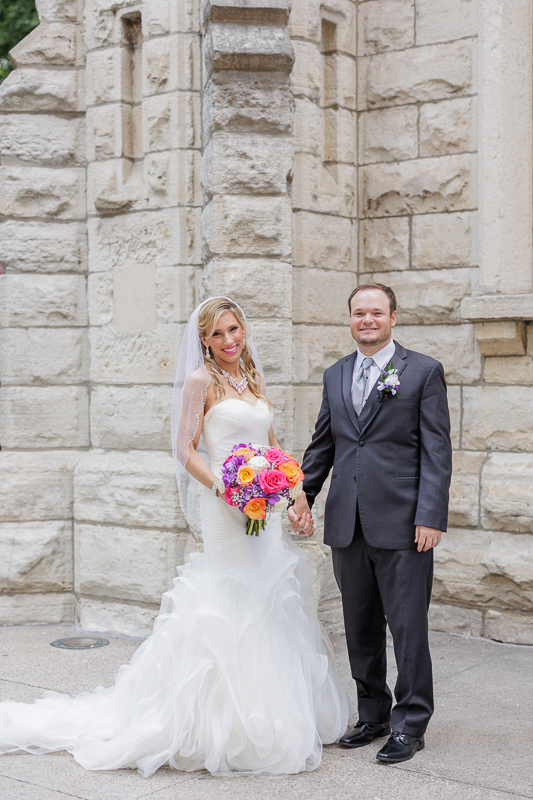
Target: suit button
361,443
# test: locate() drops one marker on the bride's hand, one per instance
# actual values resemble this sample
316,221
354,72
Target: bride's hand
303,525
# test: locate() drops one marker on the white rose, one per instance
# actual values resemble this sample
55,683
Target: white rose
258,463
281,505
391,380
296,491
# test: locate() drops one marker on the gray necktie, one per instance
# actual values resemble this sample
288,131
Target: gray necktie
359,385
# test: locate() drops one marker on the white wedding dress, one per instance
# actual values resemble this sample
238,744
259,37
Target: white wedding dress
237,677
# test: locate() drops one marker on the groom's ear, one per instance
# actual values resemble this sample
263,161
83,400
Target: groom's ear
393,319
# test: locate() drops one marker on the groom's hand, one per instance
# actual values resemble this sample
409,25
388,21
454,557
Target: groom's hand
426,538
301,518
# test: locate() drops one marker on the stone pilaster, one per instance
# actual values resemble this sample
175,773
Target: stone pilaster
43,314
248,162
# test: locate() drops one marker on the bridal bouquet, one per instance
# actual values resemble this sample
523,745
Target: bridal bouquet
259,480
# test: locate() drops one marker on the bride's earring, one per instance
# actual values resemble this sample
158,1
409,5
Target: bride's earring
243,340
207,352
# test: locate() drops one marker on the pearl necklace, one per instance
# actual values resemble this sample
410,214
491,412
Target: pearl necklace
239,386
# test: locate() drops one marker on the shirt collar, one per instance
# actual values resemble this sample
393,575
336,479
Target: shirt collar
382,357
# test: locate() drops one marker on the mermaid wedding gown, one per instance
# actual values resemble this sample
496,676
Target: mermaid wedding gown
237,676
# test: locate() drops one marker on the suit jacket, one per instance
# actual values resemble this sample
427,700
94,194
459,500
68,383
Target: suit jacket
393,463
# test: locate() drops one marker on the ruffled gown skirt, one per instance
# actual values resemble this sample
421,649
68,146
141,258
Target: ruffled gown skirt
237,677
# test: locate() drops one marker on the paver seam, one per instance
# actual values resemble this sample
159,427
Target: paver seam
31,685
428,774
47,788
459,672
418,774
153,792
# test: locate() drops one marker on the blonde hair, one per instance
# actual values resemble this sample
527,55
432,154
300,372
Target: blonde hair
209,315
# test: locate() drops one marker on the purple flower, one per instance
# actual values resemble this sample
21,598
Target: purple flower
242,444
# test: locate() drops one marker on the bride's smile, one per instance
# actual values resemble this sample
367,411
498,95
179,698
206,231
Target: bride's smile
225,339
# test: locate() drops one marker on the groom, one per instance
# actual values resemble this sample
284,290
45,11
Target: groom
384,428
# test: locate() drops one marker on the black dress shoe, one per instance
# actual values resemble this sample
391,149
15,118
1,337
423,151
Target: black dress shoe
400,747
364,733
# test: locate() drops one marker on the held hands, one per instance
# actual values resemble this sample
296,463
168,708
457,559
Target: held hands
301,518
426,538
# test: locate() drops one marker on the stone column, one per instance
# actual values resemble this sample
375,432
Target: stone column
246,221
43,315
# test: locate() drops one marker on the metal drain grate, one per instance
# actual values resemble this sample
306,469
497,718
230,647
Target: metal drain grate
80,643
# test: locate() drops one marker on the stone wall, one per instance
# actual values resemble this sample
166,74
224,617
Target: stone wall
425,229
144,202
44,349
324,221
154,153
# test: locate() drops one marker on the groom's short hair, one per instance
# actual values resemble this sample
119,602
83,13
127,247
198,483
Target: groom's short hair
381,286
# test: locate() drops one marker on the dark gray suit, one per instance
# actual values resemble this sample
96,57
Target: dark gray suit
391,472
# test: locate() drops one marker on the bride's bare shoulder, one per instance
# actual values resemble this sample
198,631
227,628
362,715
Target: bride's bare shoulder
200,377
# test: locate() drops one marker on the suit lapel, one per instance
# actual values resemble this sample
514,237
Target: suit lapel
347,376
374,402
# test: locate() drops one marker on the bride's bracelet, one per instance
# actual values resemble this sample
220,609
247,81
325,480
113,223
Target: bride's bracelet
214,488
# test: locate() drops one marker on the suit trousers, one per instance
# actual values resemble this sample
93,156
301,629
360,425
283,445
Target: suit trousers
380,586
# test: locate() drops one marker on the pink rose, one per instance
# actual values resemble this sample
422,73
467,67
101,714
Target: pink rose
231,496
272,481
275,456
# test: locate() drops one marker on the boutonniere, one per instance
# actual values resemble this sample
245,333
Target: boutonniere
388,381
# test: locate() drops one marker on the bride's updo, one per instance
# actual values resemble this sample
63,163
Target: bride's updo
209,315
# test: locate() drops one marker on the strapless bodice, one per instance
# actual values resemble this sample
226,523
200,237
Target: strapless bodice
233,422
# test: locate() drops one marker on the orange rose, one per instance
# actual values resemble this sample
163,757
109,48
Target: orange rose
292,471
245,475
288,455
255,508
246,452
242,451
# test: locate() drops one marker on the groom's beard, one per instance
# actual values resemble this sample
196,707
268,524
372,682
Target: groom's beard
379,337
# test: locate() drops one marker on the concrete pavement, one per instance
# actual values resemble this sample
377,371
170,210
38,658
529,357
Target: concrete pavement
479,745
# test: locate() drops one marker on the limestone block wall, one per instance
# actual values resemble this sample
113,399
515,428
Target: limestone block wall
324,221
92,311
436,213
417,101
418,207
44,352
442,198
144,202
154,153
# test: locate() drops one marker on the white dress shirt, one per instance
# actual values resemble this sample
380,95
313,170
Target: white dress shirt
381,359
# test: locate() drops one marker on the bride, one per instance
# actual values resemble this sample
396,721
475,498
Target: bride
238,676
